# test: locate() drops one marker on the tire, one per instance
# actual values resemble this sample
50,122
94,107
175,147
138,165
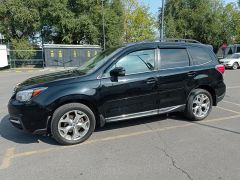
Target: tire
72,123
194,105
235,66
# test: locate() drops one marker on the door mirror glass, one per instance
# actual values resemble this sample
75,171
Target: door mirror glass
117,71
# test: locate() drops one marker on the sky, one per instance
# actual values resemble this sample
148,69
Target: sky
155,4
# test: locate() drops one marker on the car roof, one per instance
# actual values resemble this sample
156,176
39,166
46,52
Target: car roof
145,43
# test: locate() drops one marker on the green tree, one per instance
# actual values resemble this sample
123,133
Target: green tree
62,21
114,16
19,18
138,23
80,21
22,49
75,21
209,21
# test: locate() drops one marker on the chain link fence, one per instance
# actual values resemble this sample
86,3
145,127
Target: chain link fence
53,55
26,58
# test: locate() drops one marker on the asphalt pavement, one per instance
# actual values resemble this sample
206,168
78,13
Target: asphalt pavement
160,147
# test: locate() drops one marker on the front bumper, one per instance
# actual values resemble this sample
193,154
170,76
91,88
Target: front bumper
227,65
29,117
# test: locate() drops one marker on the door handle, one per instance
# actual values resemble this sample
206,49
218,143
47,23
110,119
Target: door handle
151,81
191,73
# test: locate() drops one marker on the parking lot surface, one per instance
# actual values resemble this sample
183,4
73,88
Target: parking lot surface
160,147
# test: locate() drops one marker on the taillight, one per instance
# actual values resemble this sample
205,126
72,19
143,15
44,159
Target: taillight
220,68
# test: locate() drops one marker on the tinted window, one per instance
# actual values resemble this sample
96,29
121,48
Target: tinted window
235,56
99,60
199,55
173,58
137,62
238,49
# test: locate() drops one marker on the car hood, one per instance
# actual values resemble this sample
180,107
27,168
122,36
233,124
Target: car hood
227,60
51,77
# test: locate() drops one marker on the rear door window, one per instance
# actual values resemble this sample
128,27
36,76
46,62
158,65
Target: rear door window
199,55
173,58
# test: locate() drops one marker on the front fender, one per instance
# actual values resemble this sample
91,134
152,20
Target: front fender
71,98
53,96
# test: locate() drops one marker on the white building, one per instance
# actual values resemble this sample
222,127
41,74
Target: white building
3,56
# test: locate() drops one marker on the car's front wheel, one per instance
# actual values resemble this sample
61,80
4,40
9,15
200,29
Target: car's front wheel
235,66
72,123
199,105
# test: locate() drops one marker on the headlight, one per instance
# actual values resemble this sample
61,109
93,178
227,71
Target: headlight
26,95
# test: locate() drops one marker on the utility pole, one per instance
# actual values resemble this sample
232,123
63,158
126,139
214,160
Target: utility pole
162,20
42,36
103,27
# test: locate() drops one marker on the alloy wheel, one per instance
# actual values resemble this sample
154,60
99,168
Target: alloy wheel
73,125
201,105
235,66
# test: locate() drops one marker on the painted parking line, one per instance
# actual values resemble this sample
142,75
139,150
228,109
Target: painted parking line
10,154
233,87
229,110
7,158
231,103
30,70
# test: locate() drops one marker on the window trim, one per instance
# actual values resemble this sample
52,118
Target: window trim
159,65
125,54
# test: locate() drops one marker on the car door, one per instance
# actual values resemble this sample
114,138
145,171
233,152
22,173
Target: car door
172,78
132,95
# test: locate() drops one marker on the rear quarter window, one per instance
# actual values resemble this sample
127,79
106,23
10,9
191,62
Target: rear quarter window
199,55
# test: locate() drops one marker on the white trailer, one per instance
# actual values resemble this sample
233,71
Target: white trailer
3,56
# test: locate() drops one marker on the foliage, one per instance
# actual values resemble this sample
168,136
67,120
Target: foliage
209,21
22,49
62,21
75,21
19,18
138,23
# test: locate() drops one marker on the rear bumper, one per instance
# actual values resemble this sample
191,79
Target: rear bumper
28,117
220,98
220,92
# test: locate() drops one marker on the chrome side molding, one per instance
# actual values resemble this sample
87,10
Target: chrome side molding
143,114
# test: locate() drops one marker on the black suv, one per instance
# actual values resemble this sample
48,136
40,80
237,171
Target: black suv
126,82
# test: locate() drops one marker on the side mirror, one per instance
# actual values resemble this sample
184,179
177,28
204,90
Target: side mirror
117,71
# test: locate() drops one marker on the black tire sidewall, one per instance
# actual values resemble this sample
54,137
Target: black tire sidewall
193,94
64,109
236,66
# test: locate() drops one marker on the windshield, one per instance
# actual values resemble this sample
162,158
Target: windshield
98,60
234,56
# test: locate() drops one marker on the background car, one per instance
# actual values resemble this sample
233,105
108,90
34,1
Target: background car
232,61
228,51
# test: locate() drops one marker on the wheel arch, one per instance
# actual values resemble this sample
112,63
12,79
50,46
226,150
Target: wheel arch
83,99
210,90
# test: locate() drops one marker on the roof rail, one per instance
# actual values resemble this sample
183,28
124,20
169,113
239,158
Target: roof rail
178,40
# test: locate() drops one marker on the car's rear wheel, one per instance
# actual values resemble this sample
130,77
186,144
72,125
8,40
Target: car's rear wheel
72,123
199,105
235,66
